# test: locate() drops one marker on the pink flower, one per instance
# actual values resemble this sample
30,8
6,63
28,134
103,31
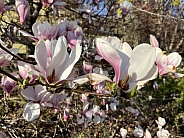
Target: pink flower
71,31
87,67
155,86
23,9
48,3
8,84
2,7
27,71
5,58
153,41
125,6
44,30
54,61
133,67
168,64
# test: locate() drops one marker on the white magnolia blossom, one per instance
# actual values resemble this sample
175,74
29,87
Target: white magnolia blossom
162,133
138,132
161,122
123,132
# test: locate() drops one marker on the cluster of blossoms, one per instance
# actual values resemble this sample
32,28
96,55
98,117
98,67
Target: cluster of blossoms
41,84
138,132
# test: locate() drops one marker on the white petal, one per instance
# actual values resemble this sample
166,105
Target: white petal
31,111
141,61
41,54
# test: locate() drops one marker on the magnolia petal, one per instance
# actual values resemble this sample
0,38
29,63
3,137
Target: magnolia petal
174,59
41,54
29,93
80,79
31,111
153,41
147,134
74,57
95,78
111,55
59,54
141,61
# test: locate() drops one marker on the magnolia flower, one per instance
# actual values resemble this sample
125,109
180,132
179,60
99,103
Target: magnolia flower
41,98
113,103
168,64
153,41
84,98
23,9
162,133
123,132
71,31
132,110
31,111
74,36
84,116
27,71
87,67
48,3
161,122
44,30
8,84
132,67
125,7
54,62
5,58
155,86
138,132
2,7
99,115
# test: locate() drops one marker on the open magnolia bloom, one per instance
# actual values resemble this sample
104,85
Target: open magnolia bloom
39,97
165,63
48,3
132,67
54,61
5,58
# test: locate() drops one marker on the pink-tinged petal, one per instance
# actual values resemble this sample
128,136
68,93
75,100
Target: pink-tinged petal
31,111
23,9
59,55
141,61
35,28
111,55
174,59
29,93
153,41
147,134
23,72
73,58
41,54
161,62
71,38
